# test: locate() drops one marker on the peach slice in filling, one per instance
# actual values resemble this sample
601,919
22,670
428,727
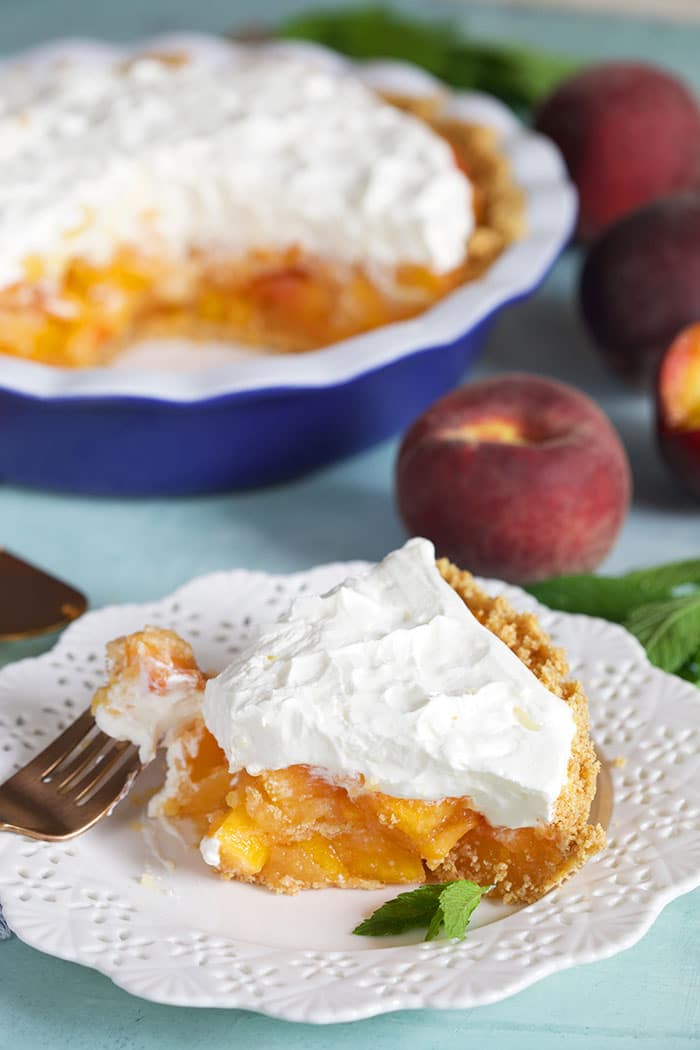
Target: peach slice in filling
292,829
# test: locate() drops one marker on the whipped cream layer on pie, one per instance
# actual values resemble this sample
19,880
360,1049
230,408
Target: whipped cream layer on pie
260,153
403,727
392,678
260,197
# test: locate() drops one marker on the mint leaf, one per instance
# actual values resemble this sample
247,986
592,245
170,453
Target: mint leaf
660,606
665,578
616,597
405,912
448,903
369,32
520,76
517,75
435,924
457,902
690,670
612,598
669,630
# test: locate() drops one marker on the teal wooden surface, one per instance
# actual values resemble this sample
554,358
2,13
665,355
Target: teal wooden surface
649,996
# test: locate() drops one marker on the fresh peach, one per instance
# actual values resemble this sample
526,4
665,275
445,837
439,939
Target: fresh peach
641,283
678,408
629,133
518,477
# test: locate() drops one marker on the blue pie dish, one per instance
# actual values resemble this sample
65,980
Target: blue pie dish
263,418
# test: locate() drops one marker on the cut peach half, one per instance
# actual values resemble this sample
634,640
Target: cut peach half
679,381
678,408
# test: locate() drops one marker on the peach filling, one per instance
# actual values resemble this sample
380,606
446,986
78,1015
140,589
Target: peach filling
284,301
292,827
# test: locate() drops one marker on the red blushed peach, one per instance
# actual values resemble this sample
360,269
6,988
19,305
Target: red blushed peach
629,133
517,477
641,283
678,408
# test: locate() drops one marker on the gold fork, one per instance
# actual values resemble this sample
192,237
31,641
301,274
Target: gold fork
70,785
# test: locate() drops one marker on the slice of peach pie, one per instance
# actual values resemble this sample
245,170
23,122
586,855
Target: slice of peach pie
264,198
405,727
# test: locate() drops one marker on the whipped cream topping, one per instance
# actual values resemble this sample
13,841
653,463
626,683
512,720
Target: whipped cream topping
133,710
391,677
254,152
210,849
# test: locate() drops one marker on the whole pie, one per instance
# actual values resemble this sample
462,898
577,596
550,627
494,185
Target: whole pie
405,727
261,198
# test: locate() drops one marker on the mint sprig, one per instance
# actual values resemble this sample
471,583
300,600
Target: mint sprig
668,630
659,605
520,76
666,577
691,669
446,905
612,598
405,912
458,902
616,597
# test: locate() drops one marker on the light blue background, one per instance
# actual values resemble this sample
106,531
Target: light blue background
128,551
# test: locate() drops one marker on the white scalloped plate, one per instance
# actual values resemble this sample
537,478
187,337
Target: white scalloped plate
550,213
182,936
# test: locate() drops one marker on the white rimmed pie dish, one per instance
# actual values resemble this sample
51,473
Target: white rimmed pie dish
169,417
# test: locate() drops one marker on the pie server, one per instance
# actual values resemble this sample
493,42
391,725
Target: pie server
32,602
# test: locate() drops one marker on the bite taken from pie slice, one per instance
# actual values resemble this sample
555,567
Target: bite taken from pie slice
405,727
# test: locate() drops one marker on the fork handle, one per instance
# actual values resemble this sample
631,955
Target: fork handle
12,827
17,814
31,833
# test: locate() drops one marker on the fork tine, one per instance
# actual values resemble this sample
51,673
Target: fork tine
66,774
114,788
97,772
87,787
61,747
